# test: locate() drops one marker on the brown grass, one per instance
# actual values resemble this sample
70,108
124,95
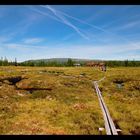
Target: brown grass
71,107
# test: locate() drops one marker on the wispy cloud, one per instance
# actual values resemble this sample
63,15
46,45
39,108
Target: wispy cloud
119,20
99,28
65,21
86,41
4,39
79,20
45,14
19,28
21,46
128,25
33,40
106,11
75,51
61,14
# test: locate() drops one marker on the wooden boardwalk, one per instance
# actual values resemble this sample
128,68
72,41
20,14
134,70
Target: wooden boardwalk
109,124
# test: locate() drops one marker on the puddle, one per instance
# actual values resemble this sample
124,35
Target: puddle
31,90
11,80
119,83
14,80
119,86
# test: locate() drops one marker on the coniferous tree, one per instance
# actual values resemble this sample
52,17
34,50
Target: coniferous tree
70,62
15,61
5,62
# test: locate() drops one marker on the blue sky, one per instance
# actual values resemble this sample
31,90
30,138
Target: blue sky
77,31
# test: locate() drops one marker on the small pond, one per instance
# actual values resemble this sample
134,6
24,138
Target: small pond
119,83
119,86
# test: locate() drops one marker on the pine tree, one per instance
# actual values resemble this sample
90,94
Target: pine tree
15,62
70,62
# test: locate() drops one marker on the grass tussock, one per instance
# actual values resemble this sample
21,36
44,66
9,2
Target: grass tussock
70,107
123,100
61,100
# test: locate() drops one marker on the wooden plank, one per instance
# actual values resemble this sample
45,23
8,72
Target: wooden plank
109,124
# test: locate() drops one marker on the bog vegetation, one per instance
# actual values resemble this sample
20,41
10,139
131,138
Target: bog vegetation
121,92
50,100
62,100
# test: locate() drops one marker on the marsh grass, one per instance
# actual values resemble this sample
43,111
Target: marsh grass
70,107
123,103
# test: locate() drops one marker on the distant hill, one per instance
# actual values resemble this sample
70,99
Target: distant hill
61,60
64,62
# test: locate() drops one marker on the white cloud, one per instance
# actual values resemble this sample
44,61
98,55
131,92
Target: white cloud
77,49
29,51
33,40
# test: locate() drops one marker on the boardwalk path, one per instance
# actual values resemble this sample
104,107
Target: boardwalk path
109,125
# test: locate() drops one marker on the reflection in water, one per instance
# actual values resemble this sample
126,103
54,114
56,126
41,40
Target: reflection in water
119,85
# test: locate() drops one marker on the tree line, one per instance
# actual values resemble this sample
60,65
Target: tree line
70,62
54,63
110,63
4,62
125,63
